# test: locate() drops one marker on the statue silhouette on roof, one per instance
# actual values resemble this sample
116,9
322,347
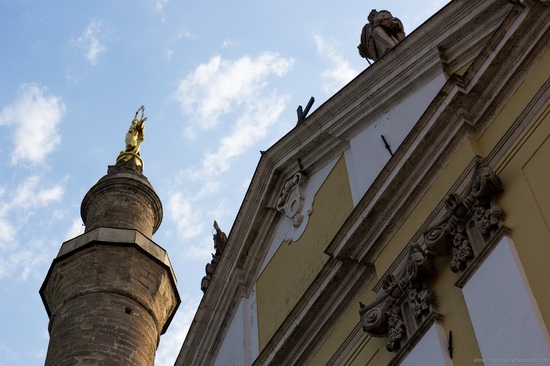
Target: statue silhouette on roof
380,34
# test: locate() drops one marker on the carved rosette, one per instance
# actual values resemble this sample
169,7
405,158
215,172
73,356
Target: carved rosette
406,300
397,331
291,199
462,252
421,299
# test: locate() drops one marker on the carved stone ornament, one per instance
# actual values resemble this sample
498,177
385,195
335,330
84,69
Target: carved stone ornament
468,225
291,199
406,301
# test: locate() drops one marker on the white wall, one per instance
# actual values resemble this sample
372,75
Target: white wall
240,345
430,350
506,319
367,155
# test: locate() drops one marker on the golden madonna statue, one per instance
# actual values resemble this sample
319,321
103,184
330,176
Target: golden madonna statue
133,139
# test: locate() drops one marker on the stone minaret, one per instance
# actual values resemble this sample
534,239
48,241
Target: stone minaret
111,292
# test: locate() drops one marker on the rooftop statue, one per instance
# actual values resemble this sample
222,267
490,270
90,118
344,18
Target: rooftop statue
220,239
133,139
380,34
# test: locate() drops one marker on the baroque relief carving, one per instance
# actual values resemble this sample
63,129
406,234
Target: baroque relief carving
406,300
291,199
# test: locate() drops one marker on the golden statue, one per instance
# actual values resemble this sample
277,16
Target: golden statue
133,139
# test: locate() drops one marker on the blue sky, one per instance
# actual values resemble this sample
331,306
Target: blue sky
220,81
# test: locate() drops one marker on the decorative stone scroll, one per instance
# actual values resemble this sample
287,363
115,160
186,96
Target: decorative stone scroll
291,199
220,239
407,301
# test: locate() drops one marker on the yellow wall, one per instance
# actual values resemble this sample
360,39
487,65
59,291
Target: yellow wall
368,352
525,172
526,202
294,266
462,70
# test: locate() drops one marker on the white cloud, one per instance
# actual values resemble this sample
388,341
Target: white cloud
34,116
91,41
17,211
207,95
22,263
186,35
218,211
168,54
193,219
159,5
201,249
188,218
219,86
7,232
251,127
76,229
340,71
29,195
227,43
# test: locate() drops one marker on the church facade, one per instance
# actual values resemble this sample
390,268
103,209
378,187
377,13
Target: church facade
406,220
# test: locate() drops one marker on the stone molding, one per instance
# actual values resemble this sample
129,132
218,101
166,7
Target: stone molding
470,223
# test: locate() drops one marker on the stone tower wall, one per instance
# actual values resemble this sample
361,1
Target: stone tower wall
123,200
109,304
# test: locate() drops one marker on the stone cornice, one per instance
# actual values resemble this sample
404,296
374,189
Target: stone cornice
411,64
